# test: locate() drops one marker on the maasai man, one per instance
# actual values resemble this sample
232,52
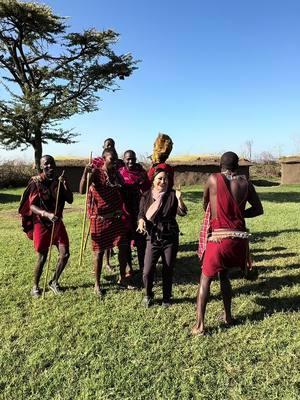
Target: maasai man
37,210
162,148
105,208
225,195
135,183
109,144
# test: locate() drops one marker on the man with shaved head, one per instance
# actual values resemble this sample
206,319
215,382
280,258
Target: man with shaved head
105,210
225,197
37,209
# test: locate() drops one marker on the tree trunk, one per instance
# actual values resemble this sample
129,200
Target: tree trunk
38,151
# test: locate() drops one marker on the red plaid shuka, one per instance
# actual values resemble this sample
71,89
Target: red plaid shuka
204,232
104,206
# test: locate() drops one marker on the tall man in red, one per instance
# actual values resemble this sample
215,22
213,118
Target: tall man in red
135,182
226,194
37,210
105,209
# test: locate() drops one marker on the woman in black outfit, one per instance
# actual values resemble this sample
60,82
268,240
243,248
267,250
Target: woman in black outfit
157,220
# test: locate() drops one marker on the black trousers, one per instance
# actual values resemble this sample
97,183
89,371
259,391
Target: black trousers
167,249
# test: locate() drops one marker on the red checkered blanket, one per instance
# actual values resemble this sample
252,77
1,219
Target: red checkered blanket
204,231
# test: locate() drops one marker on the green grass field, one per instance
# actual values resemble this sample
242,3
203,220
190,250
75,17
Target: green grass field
75,347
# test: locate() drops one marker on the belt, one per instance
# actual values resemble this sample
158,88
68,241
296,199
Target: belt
112,214
218,235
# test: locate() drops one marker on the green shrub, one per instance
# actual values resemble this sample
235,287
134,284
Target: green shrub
15,173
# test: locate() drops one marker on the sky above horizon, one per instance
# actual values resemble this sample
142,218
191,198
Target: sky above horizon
212,75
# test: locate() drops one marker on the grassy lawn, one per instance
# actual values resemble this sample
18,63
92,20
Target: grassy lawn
75,347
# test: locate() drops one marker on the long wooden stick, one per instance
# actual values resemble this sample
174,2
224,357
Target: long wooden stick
87,237
84,216
52,234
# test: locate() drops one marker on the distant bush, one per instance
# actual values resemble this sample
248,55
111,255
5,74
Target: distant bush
15,174
266,170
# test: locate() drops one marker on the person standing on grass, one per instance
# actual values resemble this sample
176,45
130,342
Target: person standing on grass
225,198
135,183
37,210
157,220
105,209
108,144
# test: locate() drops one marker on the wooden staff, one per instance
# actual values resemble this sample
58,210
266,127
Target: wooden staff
87,237
52,233
82,245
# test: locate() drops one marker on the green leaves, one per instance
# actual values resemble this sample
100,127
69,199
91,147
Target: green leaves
51,74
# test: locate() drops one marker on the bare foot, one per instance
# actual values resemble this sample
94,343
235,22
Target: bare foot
99,292
198,331
228,321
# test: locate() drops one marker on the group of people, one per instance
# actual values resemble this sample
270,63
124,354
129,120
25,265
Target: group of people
126,206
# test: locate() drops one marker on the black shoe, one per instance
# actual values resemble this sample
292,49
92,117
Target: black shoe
166,304
35,292
147,301
54,286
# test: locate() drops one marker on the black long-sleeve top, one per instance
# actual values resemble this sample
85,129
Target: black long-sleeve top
164,225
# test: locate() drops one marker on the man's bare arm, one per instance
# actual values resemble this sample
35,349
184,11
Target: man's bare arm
68,194
82,185
256,206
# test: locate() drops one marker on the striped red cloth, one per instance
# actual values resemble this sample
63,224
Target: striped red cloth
104,200
204,231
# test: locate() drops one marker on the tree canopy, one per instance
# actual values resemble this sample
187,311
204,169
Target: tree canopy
50,74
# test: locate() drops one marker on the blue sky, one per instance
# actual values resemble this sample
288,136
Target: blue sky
213,75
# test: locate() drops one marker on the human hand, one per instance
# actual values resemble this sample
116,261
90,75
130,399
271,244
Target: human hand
89,168
178,192
141,227
51,216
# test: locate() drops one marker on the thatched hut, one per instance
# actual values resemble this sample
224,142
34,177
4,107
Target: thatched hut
290,170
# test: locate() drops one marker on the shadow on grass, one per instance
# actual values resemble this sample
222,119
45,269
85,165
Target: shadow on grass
9,198
191,246
261,257
194,197
263,235
275,248
187,270
264,182
267,285
278,268
283,197
272,306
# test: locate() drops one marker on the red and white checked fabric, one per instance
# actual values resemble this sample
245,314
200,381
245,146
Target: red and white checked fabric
204,231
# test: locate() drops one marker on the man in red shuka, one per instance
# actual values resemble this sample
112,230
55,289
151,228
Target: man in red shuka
226,194
37,210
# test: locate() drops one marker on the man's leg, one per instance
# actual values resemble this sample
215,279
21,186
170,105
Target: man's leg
226,291
107,259
42,257
64,255
129,260
63,258
202,298
98,260
122,258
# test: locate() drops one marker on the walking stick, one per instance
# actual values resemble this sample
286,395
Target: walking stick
82,245
52,234
87,237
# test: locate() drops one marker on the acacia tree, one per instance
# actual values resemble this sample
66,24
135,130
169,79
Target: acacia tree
50,75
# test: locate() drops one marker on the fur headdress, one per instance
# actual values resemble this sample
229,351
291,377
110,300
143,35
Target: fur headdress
162,148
